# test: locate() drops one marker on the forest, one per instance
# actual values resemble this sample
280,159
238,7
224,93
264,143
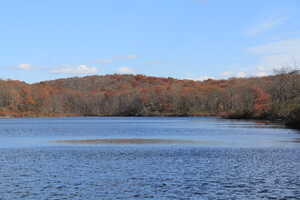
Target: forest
275,97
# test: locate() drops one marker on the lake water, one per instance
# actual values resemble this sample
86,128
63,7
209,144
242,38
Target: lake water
147,158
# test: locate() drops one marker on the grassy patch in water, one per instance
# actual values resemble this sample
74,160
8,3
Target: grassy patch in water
132,141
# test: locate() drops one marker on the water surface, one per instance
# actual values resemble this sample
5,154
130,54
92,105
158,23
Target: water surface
147,158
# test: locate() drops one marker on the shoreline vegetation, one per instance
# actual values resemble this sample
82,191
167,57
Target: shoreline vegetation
272,98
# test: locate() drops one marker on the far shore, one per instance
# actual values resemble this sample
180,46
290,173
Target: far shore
222,115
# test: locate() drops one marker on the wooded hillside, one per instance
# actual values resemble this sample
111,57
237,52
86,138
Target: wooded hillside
272,97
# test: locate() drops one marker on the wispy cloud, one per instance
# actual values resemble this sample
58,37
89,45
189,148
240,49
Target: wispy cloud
241,74
226,74
128,57
279,47
261,73
125,70
25,67
277,54
81,69
200,78
238,74
265,25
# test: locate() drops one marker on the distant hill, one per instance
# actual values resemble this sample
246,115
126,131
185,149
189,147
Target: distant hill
137,95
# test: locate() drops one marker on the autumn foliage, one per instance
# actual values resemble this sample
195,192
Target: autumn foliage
138,95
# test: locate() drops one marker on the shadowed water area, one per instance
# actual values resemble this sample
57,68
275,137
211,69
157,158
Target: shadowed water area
147,158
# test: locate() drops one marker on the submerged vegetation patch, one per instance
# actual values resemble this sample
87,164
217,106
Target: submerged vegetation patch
131,141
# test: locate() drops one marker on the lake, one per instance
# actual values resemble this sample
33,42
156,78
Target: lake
147,158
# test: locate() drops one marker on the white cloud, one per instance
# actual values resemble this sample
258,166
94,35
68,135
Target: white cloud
262,73
125,70
241,74
201,78
128,57
277,54
278,47
234,74
81,69
226,74
265,25
24,66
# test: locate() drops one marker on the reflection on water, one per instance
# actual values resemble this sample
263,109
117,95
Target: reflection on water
255,126
147,158
295,140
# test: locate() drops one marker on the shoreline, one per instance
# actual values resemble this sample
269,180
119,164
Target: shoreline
291,125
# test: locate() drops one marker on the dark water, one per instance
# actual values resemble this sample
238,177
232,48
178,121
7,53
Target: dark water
230,160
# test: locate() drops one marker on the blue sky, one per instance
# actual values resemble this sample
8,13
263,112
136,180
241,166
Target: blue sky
186,39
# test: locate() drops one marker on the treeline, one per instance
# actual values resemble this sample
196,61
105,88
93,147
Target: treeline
272,97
